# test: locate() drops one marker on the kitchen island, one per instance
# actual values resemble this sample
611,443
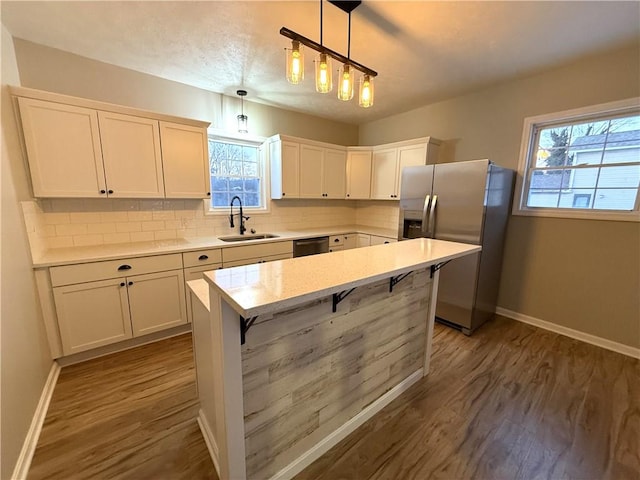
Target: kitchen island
293,355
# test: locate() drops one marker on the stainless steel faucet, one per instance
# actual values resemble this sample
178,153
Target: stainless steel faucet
242,217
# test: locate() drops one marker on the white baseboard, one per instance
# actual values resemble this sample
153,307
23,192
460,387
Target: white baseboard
570,332
33,434
324,445
210,440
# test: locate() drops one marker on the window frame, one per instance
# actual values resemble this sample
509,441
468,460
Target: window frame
248,140
527,153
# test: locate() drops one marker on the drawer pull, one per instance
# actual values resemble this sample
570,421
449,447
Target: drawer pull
124,267
336,240
203,257
122,284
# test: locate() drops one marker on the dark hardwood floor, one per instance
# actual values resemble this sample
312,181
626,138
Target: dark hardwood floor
510,402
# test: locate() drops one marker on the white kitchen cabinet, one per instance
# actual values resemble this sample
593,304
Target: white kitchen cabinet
156,301
359,174
378,240
256,253
84,148
342,242
383,175
185,161
311,171
100,303
92,314
363,240
322,172
389,160
63,147
131,155
284,159
334,173
350,241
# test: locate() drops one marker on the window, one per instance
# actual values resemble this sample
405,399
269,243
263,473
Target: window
237,168
582,163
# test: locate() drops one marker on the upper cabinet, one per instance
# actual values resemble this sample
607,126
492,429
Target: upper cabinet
306,169
185,158
63,146
359,173
389,160
81,148
131,155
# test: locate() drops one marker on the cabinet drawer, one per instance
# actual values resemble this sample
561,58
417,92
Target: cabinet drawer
89,272
270,258
195,273
234,254
377,240
202,257
336,240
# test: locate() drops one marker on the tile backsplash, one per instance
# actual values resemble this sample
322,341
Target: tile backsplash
57,223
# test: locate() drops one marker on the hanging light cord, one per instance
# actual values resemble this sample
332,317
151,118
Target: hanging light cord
349,39
320,22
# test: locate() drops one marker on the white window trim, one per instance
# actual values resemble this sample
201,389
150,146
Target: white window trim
527,144
254,141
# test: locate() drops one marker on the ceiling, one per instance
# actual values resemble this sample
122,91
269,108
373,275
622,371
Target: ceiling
423,51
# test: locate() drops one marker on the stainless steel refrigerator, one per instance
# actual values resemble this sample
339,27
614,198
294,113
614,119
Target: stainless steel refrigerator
464,202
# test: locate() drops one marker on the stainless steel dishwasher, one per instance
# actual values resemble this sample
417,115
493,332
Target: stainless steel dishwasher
310,246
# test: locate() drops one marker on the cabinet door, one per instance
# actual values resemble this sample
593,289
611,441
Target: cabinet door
350,241
311,159
92,314
383,174
63,147
359,175
185,161
156,301
284,158
334,173
410,156
131,153
363,240
376,240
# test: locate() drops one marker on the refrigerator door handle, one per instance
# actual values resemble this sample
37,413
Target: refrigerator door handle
432,217
425,213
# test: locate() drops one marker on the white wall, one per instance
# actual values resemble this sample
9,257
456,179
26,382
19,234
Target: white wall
580,274
25,358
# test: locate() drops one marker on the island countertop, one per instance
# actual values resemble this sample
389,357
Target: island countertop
267,287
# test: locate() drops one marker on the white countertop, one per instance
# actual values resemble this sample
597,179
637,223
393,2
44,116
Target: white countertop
267,287
71,255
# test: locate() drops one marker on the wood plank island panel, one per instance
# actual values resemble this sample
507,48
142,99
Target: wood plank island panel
306,371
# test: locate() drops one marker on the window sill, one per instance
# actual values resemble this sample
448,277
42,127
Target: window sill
208,212
579,214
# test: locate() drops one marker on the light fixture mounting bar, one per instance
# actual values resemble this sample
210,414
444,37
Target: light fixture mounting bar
284,31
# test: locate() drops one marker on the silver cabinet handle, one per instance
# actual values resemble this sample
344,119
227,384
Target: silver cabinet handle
425,213
432,217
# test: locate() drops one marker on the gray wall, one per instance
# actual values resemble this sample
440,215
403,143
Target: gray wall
25,356
580,274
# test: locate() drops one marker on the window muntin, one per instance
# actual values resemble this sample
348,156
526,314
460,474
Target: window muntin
584,166
236,168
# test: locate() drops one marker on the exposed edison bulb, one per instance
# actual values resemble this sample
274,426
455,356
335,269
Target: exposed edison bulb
366,91
324,77
295,63
345,90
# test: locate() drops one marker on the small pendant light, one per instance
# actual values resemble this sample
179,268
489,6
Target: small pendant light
295,63
345,89
366,91
324,77
243,120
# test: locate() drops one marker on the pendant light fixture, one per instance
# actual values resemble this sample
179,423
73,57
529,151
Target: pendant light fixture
295,63
323,70
243,120
366,91
324,73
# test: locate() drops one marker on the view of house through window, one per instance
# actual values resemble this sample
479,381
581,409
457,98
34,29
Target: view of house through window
235,169
589,164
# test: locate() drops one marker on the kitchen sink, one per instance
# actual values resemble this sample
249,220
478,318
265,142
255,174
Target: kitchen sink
244,238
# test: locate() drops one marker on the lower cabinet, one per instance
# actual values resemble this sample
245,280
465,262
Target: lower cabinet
92,314
100,303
